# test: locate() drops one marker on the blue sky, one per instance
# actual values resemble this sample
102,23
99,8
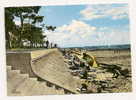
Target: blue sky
87,25
60,15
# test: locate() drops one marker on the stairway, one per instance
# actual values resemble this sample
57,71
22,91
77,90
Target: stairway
19,84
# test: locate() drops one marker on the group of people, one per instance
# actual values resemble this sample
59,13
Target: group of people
50,45
82,64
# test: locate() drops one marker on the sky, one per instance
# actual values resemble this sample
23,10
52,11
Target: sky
87,25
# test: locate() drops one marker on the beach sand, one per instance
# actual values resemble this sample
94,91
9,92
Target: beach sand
121,58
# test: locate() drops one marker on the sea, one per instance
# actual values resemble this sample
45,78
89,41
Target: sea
105,47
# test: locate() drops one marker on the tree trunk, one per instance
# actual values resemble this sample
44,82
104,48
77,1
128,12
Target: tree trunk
20,35
8,40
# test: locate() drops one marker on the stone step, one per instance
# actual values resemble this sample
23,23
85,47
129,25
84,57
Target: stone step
13,71
22,85
40,88
13,75
34,79
24,75
25,87
9,67
13,80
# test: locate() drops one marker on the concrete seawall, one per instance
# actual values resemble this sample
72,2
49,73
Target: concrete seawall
52,68
47,64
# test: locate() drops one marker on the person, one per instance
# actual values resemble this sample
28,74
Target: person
51,45
55,45
47,44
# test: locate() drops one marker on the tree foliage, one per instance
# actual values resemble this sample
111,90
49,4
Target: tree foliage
29,32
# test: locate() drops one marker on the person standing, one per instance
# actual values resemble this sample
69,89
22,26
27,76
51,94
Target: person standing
47,44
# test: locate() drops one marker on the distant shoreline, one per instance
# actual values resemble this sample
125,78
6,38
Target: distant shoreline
105,47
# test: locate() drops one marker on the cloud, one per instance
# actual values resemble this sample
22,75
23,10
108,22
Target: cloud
102,11
73,34
78,33
78,28
108,36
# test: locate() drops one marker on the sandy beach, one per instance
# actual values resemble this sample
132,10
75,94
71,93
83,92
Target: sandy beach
120,58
